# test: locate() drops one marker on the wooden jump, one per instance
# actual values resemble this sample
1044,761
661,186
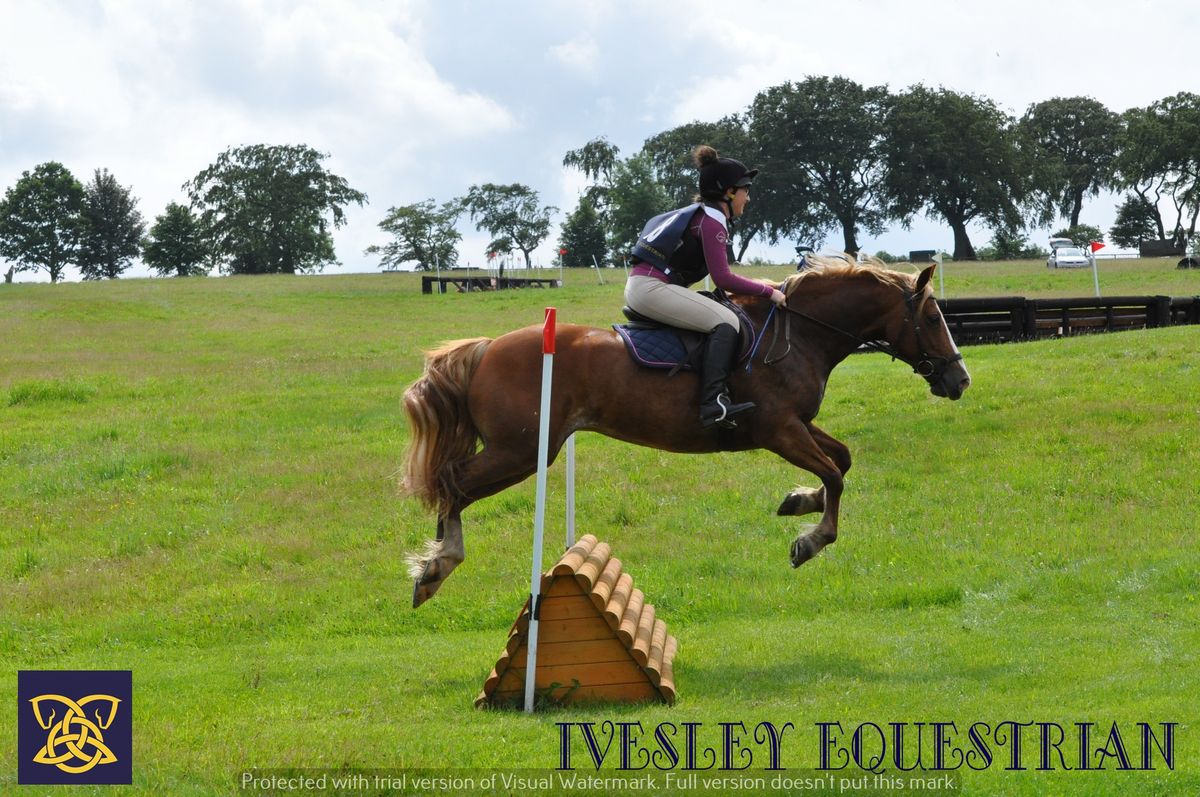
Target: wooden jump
598,638
468,284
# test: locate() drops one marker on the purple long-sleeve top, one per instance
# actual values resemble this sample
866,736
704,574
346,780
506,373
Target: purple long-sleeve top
714,238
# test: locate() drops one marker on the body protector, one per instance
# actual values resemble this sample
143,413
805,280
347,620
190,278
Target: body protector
665,245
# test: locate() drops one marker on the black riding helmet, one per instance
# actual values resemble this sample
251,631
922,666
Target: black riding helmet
718,175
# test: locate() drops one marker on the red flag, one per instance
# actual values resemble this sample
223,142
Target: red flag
1096,246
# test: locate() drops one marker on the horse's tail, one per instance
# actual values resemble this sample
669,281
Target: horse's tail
443,434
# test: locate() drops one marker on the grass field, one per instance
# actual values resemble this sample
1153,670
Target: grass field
198,483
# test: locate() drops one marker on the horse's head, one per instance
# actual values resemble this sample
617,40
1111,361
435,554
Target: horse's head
918,335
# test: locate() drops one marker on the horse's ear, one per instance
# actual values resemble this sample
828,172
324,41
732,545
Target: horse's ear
926,275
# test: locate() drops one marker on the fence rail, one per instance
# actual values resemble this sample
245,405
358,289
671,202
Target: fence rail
1013,318
468,283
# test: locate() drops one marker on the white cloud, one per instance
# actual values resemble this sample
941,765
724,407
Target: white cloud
414,100
155,91
580,55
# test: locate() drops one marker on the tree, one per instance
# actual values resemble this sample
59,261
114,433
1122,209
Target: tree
955,156
596,159
671,166
822,142
269,209
41,220
1010,243
511,214
424,233
635,198
176,245
583,235
1082,234
1159,157
1137,220
1074,148
669,154
112,229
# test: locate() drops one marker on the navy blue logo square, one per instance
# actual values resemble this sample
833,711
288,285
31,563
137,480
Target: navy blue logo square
75,726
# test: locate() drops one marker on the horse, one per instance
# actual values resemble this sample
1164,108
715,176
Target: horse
474,411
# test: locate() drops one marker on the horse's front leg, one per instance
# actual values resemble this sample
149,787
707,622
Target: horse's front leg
803,500
797,445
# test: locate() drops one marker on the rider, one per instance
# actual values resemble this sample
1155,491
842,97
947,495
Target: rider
676,250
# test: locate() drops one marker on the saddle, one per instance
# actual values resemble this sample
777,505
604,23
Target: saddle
653,344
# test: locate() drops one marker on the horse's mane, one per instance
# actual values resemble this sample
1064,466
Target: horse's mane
835,267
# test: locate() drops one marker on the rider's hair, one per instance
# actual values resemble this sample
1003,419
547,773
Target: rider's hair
704,155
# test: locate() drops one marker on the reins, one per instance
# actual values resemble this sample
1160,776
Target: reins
875,345
925,367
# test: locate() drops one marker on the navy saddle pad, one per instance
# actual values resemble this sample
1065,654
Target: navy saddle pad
652,344
659,346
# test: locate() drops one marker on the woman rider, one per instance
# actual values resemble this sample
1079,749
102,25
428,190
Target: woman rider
678,249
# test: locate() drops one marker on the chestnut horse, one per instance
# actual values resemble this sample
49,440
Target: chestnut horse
488,391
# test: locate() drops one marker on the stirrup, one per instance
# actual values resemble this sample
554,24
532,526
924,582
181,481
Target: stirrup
725,419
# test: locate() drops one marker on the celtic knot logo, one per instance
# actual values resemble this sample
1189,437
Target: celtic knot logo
74,738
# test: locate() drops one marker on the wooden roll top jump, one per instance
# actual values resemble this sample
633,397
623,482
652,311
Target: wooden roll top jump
598,638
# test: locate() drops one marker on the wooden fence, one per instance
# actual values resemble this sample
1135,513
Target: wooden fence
468,283
1013,318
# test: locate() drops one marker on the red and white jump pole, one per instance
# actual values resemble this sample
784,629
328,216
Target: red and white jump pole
539,514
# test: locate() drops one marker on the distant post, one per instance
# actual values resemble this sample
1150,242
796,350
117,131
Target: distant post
1095,246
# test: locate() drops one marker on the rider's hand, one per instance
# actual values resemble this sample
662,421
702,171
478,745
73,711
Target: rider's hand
779,297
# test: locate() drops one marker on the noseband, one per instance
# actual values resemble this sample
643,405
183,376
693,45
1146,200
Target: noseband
928,366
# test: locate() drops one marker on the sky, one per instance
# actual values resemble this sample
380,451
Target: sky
415,100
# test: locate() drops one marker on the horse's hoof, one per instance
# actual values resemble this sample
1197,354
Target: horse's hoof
802,551
423,592
799,504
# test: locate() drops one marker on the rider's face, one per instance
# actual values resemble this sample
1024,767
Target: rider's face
740,198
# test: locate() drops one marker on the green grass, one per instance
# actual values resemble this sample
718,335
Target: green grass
198,483
1118,277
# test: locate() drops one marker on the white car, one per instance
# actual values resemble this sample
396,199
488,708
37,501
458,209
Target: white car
1068,257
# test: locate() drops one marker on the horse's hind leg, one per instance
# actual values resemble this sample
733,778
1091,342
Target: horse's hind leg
484,474
433,565
803,500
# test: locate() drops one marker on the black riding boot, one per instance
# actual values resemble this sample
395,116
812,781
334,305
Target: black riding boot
716,408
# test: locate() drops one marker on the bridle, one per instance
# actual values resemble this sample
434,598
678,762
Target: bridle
928,366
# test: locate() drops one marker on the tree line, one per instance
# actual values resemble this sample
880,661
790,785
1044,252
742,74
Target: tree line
836,157
255,210
840,157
